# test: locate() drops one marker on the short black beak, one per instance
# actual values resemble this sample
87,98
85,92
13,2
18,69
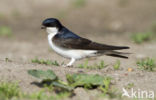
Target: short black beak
43,27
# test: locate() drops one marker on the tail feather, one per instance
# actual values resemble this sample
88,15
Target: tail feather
109,47
115,54
98,46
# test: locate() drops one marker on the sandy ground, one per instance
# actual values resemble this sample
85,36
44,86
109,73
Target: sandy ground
22,52
113,27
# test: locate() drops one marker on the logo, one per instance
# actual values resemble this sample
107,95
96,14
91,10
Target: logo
140,94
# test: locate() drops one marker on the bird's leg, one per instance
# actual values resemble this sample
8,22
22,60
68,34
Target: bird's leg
71,62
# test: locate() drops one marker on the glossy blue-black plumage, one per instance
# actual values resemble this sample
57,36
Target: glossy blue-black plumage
65,34
49,20
52,22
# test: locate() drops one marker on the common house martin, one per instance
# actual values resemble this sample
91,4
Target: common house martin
69,45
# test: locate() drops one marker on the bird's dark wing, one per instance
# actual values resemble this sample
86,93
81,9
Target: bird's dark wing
82,43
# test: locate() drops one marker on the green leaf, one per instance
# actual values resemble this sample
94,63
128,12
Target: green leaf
62,86
101,65
146,64
117,65
5,31
142,37
44,75
85,80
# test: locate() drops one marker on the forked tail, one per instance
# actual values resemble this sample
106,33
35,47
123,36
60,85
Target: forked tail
115,54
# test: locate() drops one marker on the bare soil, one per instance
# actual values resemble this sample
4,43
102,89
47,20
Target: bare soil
105,21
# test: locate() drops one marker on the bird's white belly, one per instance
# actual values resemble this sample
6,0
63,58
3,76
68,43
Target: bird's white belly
76,54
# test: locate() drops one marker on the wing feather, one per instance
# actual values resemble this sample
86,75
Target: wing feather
85,44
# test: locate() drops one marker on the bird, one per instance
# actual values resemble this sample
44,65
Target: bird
74,47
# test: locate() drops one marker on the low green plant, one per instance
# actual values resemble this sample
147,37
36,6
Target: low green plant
101,65
142,37
116,66
46,62
43,75
88,81
108,91
9,90
85,65
73,80
110,95
8,60
147,64
106,83
5,31
63,95
129,85
79,3
49,78
41,95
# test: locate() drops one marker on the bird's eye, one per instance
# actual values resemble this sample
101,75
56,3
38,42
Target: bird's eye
48,24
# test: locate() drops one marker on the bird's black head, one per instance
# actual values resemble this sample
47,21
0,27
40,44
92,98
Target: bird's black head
51,22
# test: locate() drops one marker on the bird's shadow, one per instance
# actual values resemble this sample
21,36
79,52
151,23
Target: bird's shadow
41,84
57,90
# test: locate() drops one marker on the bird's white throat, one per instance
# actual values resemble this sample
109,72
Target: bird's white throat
52,30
